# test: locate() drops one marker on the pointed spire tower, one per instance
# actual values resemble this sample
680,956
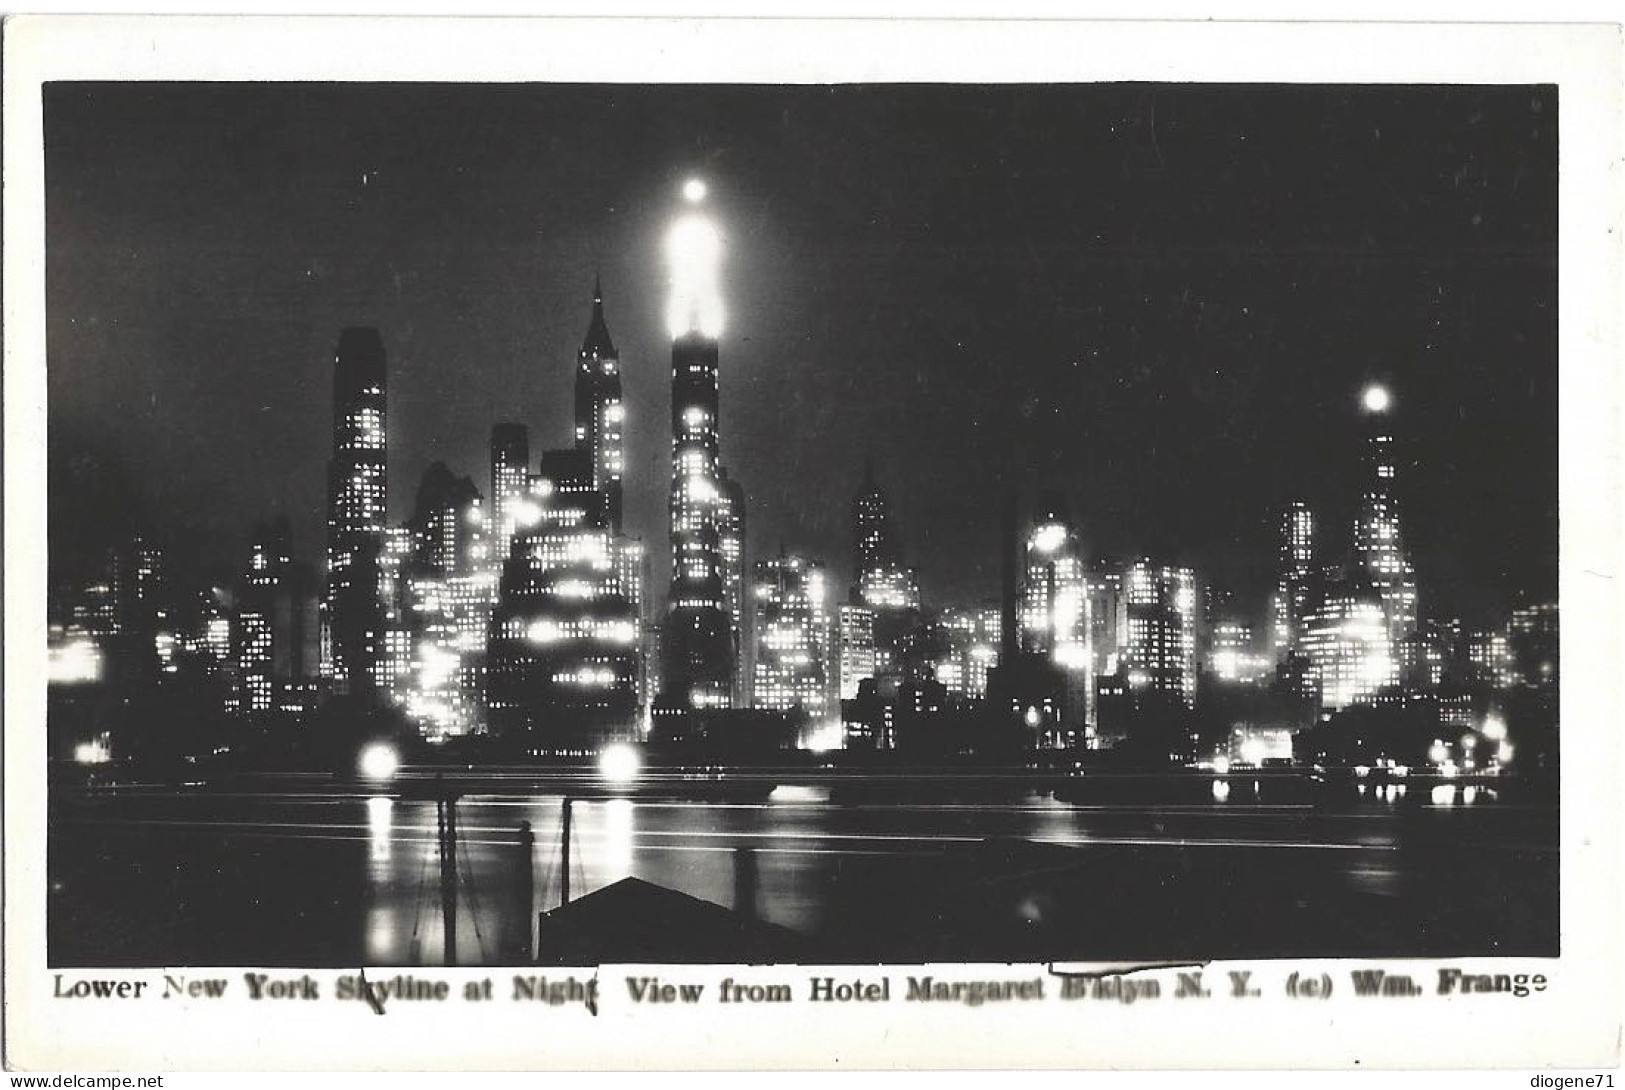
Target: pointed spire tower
600,416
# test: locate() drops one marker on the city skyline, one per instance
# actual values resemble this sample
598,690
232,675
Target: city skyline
1243,330
822,503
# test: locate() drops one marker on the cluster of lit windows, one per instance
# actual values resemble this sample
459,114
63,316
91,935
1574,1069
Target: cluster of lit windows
889,587
586,677
973,636
368,423
548,630
359,505
1346,642
1232,657
1160,653
792,637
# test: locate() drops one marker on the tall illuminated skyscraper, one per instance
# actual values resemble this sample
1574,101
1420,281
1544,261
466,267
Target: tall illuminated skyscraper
600,414
510,465
1349,652
700,644
882,581
564,669
1379,550
855,649
274,652
792,637
1055,612
1161,654
448,589
1296,576
352,609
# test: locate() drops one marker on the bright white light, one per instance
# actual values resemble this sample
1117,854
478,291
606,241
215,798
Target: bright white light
379,762
527,514
694,251
1375,399
694,191
828,736
1221,765
79,662
1049,537
1495,728
701,489
1438,753
619,764
91,753
1032,717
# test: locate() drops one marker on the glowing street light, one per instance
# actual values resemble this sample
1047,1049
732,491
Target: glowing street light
379,762
1376,399
694,191
619,764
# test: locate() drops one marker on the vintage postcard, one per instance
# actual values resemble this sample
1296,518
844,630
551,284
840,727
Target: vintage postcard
767,544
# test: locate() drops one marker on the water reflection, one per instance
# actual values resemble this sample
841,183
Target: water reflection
618,832
380,813
796,843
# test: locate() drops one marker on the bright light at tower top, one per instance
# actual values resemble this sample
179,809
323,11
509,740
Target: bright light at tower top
694,254
1375,399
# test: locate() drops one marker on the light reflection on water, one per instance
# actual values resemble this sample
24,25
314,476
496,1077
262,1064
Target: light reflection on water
797,841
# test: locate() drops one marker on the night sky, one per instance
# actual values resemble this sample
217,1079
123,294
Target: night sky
1163,300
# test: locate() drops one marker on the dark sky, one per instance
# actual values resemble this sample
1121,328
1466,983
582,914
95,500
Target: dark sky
1162,299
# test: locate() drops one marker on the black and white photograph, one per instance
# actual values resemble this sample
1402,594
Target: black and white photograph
564,524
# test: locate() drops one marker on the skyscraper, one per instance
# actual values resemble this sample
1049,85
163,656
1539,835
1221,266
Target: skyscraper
352,610
792,637
1296,576
600,414
1379,550
700,644
882,580
1055,611
1161,654
564,670
855,653
275,650
510,465
1348,648
448,593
